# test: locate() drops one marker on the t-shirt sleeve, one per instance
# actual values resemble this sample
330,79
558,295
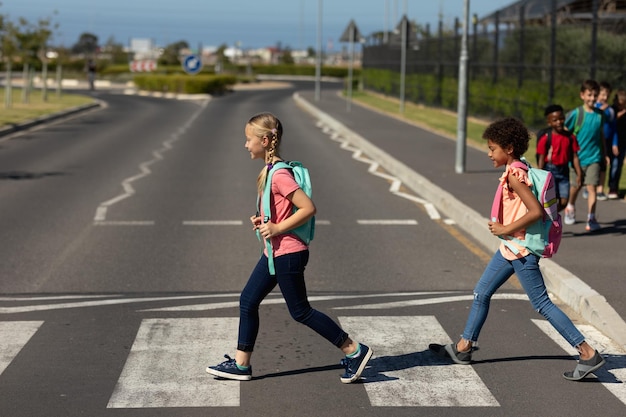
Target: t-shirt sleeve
283,183
520,174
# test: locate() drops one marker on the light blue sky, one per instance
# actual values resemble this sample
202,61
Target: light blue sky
254,23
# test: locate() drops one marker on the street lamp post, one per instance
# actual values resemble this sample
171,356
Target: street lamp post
461,132
318,61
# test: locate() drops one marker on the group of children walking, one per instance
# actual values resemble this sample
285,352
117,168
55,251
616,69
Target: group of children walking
507,141
583,147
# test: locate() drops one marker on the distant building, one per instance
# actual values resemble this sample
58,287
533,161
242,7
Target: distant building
143,48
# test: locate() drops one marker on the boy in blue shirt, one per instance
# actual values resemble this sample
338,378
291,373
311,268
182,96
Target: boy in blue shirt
590,137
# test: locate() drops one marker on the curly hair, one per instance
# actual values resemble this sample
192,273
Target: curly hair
509,131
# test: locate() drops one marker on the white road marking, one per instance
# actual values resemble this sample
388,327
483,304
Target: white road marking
213,223
404,373
279,300
123,223
373,169
98,303
428,301
13,336
613,374
389,222
166,365
144,167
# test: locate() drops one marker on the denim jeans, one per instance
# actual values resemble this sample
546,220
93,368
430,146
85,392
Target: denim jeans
560,173
290,279
616,170
498,271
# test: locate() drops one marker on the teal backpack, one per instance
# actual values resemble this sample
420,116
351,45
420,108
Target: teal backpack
304,232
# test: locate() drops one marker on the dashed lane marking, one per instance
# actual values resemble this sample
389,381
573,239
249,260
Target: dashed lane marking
144,167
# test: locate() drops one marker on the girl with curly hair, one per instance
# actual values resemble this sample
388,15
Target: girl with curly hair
507,140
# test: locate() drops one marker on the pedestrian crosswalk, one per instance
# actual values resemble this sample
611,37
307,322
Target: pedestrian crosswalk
165,365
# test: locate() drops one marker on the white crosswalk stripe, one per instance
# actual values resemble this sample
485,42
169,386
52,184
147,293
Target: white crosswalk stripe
13,336
613,373
406,374
166,365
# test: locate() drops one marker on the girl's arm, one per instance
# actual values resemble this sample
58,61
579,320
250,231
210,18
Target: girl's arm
534,213
306,210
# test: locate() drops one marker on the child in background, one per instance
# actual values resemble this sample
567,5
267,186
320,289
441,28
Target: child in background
590,138
507,140
618,146
557,149
609,129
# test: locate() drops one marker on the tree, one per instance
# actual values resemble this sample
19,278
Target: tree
115,51
286,57
171,53
87,44
32,39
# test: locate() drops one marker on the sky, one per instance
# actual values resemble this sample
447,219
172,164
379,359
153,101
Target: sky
248,23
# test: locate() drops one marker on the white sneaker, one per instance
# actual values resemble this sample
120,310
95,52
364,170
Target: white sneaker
602,197
570,215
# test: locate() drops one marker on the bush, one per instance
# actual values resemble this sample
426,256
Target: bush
185,84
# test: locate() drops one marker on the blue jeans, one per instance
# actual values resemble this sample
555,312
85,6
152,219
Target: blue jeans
616,170
498,271
560,173
290,279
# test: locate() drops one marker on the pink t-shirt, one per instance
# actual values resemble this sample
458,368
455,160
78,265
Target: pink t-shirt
512,209
283,184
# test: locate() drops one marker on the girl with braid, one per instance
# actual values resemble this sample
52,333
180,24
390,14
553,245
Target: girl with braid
263,137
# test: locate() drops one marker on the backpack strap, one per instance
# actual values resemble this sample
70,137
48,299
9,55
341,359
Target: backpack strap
267,212
580,118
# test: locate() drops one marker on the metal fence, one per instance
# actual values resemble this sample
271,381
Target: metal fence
516,67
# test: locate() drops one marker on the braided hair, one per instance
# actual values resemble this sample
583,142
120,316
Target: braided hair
267,125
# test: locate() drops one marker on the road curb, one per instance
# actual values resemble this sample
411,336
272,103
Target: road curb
28,124
570,289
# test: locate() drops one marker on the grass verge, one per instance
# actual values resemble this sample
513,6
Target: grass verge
442,122
20,112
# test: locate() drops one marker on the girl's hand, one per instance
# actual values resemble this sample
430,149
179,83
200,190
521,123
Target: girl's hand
615,150
268,230
496,229
256,221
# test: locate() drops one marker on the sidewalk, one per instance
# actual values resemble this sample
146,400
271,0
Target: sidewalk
588,272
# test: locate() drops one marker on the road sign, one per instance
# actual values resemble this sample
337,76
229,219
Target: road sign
351,34
144,65
192,64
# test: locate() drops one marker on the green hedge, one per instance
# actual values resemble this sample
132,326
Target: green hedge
485,99
186,84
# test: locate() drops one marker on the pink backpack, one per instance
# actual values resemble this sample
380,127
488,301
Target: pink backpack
543,237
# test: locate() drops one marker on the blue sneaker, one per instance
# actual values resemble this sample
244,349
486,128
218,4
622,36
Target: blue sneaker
229,370
355,366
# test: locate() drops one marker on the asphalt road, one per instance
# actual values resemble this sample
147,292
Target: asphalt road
125,242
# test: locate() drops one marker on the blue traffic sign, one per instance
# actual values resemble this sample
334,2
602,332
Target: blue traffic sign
192,64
